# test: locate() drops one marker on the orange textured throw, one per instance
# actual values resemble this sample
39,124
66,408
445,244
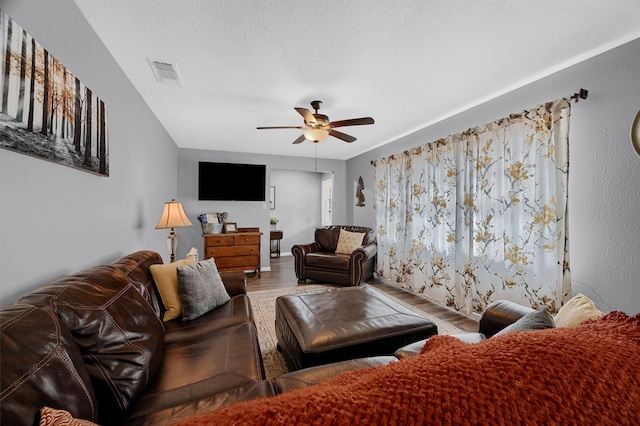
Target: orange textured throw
589,374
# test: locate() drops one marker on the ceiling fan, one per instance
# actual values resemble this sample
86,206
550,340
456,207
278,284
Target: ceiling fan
317,127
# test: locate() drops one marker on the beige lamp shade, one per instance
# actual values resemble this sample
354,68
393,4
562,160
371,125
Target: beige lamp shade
173,216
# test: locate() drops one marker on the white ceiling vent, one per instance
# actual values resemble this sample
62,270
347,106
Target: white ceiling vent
166,72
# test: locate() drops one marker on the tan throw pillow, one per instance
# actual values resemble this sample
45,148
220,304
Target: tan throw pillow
349,241
577,310
166,278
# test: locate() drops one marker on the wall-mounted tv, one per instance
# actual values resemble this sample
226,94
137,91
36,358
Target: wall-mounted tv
231,182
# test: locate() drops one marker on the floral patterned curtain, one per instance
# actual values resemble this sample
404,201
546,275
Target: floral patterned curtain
480,215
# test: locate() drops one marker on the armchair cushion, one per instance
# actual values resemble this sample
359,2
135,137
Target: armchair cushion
328,260
349,241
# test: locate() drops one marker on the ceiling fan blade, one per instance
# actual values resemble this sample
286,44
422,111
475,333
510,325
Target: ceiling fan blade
352,122
306,114
281,127
300,139
340,135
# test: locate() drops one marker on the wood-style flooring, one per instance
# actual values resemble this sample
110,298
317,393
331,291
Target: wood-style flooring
282,275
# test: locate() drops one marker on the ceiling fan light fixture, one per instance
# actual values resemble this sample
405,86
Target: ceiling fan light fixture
316,135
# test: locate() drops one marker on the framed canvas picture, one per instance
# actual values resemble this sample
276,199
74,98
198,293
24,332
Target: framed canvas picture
46,112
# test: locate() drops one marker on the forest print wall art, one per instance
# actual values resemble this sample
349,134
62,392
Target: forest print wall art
46,111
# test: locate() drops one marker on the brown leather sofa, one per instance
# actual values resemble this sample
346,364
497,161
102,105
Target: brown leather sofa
496,317
93,344
318,260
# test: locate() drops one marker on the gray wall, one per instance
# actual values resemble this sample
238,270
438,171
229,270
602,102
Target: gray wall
256,213
298,206
56,220
604,181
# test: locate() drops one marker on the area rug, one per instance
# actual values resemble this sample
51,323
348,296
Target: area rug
263,303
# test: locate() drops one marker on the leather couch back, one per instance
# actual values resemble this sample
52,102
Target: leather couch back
109,312
137,268
327,236
41,365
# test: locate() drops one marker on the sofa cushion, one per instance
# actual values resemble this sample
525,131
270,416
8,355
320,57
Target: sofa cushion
200,288
166,278
215,401
577,310
236,311
41,365
212,364
536,320
349,241
119,335
324,260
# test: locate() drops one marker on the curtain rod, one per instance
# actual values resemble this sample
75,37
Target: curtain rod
582,94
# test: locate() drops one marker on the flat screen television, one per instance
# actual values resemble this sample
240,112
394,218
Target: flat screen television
231,182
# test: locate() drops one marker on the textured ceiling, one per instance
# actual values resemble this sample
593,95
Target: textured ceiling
406,63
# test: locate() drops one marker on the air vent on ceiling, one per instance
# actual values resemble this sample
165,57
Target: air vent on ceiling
166,72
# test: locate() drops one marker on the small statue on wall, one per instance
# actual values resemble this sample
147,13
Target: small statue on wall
359,193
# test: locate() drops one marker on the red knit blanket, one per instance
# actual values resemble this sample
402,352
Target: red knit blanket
586,375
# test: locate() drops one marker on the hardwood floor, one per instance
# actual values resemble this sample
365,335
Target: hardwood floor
282,275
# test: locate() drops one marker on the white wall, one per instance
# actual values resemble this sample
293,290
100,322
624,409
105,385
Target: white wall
56,220
604,177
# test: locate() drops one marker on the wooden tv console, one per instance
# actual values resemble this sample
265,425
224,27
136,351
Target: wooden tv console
234,251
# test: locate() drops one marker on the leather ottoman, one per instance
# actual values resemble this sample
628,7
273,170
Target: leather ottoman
346,323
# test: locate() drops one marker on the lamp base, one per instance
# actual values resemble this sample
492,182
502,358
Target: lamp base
172,244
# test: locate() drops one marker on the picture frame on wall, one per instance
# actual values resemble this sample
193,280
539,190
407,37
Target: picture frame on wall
47,112
230,227
272,197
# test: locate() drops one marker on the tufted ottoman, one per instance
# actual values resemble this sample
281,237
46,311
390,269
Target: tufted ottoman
346,323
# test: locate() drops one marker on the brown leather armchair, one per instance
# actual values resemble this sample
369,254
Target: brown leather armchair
318,260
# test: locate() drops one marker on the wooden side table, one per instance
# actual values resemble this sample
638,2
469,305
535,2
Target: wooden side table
275,236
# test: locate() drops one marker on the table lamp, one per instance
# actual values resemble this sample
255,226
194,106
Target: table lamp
173,216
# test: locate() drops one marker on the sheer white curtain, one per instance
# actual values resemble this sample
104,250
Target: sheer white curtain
480,215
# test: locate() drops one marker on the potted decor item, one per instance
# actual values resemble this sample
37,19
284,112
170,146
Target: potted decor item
273,221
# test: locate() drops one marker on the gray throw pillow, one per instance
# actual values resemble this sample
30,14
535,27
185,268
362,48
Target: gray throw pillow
200,289
536,320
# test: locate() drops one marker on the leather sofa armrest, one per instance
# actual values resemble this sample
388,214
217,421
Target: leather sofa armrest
235,282
415,347
411,349
501,314
302,249
299,252
312,375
